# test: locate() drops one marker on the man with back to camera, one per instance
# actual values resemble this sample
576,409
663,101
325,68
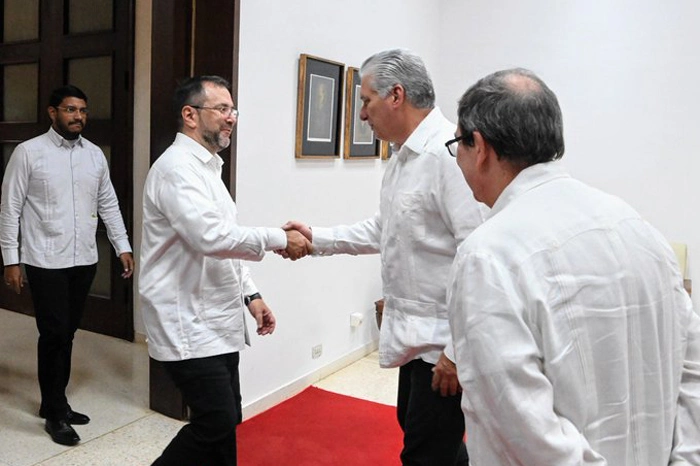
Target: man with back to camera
576,343
54,187
192,284
425,211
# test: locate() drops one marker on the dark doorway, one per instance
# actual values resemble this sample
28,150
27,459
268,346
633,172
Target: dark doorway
88,43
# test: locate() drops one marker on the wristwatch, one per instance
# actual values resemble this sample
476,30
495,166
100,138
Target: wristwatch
252,297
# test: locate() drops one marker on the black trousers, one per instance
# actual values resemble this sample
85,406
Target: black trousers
211,389
433,425
59,300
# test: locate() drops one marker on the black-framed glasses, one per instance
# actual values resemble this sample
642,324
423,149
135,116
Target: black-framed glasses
70,110
453,143
225,110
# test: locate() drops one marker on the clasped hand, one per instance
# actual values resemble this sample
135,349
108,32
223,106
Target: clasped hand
298,241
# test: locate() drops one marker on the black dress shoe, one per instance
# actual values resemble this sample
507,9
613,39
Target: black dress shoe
73,417
62,433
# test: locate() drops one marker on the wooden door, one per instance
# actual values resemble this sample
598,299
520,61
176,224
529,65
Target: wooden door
89,43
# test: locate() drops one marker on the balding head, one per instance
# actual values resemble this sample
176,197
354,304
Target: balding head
517,114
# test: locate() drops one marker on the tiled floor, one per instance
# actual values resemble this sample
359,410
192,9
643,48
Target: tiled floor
111,376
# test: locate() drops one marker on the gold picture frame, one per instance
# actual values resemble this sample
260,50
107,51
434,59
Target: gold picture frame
319,97
360,141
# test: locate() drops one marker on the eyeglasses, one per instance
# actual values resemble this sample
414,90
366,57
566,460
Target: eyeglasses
225,110
70,110
453,143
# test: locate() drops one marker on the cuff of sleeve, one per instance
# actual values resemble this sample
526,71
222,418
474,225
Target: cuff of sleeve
450,352
323,239
121,247
248,286
276,239
10,256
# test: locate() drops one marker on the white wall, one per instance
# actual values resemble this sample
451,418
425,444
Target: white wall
625,73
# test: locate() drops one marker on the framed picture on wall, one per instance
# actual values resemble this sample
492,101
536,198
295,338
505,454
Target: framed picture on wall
360,142
318,108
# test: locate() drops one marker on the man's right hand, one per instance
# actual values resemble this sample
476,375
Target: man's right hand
13,278
297,246
302,228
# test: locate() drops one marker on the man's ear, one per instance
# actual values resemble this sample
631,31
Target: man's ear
397,94
52,113
189,117
484,152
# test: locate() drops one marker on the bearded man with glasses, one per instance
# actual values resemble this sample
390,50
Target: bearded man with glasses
194,284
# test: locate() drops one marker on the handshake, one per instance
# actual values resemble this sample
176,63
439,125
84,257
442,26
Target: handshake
298,241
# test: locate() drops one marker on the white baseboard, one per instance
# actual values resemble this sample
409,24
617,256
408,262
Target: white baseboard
283,393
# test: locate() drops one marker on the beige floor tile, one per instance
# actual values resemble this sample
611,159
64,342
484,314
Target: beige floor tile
364,379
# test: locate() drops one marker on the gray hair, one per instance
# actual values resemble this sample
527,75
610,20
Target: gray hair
400,66
517,114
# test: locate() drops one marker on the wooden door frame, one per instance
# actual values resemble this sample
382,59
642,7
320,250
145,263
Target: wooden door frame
186,41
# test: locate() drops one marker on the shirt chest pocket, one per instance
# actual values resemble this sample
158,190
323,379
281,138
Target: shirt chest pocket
39,186
408,216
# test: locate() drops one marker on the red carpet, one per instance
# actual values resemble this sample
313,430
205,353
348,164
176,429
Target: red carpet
320,428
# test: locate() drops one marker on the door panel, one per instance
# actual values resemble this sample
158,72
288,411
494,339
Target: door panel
89,16
20,20
94,76
19,92
88,43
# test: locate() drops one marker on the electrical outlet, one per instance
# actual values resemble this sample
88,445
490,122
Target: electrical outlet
356,319
316,351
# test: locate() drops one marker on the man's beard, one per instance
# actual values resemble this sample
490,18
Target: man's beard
217,139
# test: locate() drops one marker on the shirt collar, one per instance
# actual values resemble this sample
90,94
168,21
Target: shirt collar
527,179
59,140
198,150
423,133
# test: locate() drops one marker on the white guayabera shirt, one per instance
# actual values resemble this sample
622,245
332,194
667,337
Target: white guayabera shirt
192,281
426,209
52,194
576,343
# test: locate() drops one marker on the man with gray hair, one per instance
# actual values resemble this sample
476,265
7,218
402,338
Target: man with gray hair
425,211
576,343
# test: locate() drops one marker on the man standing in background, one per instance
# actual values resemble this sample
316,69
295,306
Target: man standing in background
576,343
425,211
54,188
193,284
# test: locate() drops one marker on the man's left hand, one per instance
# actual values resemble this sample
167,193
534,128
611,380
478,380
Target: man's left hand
264,318
127,264
445,377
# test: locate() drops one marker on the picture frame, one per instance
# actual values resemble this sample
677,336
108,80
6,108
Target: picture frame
360,141
319,98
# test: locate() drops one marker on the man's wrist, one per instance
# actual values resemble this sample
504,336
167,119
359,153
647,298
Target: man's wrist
252,297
